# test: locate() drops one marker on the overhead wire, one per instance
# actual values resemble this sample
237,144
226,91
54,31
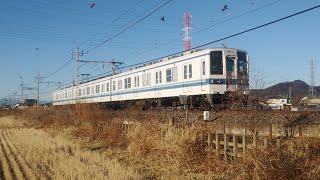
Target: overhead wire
129,22
64,65
124,30
208,27
233,35
112,22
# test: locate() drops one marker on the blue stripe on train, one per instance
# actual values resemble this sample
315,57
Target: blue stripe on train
162,87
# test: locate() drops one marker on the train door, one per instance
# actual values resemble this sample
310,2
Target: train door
203,74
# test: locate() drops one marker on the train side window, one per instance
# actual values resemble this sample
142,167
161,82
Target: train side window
190,71
127,83
103,88
172,74
92,89
119,84
84,91
168,75
97,88
216,66
79,92
107,87
88,90
185,71
203,68
113,85
136,81
158,77
146,79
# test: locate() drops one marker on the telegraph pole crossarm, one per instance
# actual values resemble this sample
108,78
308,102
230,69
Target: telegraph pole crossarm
78,54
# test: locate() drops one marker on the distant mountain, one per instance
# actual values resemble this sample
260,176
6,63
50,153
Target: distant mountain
299,89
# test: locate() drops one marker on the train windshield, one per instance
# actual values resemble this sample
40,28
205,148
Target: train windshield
242,63
216,62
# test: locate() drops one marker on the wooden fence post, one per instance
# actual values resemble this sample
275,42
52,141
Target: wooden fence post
217,145
254,140
226,145
209,141
244,144
235,146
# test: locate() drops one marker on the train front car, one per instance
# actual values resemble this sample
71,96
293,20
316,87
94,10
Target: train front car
229,77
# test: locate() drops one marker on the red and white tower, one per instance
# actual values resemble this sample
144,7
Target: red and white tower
186,29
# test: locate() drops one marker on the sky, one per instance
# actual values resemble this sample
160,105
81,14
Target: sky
41,37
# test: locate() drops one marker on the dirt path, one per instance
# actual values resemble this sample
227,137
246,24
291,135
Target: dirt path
28,153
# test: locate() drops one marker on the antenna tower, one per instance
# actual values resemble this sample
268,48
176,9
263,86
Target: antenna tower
186,29
312,83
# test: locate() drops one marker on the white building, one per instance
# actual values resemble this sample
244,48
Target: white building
278,103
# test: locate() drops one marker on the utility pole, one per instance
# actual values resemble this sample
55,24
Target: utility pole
21,89
39,80
78,54
114,66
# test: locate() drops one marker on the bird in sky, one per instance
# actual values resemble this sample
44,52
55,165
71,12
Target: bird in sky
92,5
37,49
224,8
162,19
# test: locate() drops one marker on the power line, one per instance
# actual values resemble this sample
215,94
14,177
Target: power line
131,21
208,27
237,34
130,26
64,65
115,20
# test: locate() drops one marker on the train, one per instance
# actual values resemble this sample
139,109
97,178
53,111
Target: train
203,78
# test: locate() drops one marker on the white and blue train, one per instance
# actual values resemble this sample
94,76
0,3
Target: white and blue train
206,76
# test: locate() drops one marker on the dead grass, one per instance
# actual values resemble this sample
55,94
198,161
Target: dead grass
34,151
160,151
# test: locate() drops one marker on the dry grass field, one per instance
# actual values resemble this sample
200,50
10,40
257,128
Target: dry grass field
57,143
29,153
